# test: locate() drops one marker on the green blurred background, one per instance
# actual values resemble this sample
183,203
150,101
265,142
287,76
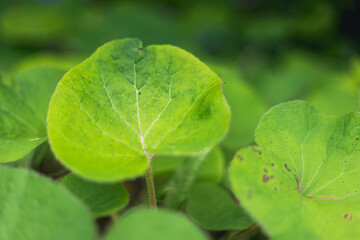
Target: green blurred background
265,51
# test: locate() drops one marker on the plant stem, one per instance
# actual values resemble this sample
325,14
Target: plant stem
150,185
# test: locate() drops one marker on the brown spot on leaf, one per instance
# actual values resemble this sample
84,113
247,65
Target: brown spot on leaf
275,188
240,158
272,176
272,164
265,178
348,216
256,150
265,170
287,168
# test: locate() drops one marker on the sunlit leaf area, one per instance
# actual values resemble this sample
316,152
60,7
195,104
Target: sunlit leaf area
179,120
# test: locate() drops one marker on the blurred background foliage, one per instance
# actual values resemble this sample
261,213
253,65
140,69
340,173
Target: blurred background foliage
280,50
266,52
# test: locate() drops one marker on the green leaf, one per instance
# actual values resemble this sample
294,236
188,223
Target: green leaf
165,165
125,103
23,109
102,198
211,169
213,208
245,116
208,167
32,207
301,182
181,181
154,225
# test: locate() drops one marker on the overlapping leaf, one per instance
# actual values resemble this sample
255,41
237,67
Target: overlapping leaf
154,225
302,181
32,207
102,198
23,109
213,208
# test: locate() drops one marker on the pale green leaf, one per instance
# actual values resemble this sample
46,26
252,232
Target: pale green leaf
32,207
213,208
212,169
302,180
246,107
23,109
102,198
154,225
126,102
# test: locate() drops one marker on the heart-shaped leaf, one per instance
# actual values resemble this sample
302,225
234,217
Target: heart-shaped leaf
102,198
154,225
23,109
125,103
302,181
213,208
32,207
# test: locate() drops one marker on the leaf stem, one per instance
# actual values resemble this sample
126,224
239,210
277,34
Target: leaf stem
150,184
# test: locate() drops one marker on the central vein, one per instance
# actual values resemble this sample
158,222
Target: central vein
138,113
